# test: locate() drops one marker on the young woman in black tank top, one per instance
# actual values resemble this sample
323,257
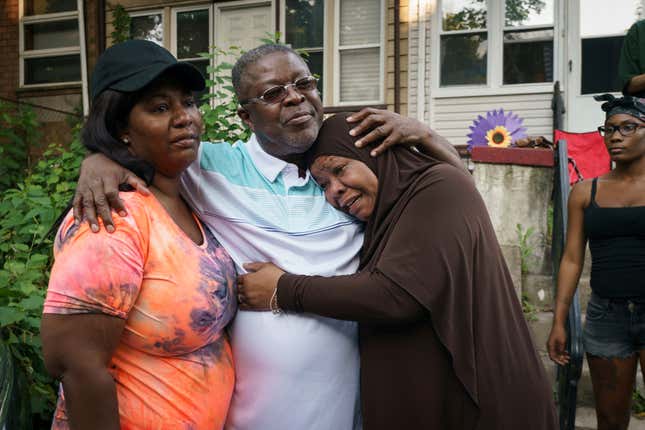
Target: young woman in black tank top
609,212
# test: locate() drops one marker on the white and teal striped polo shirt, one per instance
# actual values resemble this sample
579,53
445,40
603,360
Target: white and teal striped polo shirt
293,371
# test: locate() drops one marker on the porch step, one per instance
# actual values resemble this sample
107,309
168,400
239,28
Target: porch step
585,414
540,328
586,420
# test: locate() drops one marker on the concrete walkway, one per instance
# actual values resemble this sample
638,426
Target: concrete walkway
586,420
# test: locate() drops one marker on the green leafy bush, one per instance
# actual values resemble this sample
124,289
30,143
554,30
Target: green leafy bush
527,249
219,107
120,24
638,404
18,132
27,212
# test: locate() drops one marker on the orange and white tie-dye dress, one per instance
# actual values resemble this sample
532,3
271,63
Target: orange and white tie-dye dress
173,367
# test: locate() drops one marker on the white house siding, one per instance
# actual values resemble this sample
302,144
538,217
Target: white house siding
413,60
419,26
452,116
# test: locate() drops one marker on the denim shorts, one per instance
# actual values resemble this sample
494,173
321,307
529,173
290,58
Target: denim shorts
614,328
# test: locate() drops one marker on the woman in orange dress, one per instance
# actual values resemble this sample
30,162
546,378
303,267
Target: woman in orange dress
134,319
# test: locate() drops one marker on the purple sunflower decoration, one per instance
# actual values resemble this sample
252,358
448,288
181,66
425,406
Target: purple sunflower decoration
496,129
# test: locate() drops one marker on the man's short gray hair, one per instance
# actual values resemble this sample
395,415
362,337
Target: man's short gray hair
253,56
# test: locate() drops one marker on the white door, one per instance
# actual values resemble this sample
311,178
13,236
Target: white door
243,24
596,29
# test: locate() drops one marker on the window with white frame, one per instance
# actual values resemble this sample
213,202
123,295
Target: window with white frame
464,42
190,32
192,36
305,31
50,46
496,42
147,25
528,41
356,55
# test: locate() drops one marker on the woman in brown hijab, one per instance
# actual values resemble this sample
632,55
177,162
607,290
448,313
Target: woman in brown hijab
444,344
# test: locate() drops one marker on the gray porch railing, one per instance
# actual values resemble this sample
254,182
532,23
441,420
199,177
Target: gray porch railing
569,375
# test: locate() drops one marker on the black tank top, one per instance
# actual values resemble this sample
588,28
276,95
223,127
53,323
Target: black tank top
617,243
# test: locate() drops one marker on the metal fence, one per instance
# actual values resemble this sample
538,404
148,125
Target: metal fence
568,375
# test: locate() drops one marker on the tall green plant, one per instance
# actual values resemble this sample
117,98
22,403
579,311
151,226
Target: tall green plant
219,107
120,24
27,211
524,238
18,132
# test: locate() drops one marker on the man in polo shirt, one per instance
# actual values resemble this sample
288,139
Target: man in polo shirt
292,371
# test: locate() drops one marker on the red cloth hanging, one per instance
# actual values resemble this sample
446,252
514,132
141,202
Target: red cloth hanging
588,152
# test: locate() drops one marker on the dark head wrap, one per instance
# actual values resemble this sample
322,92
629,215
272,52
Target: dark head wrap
397,169
628,105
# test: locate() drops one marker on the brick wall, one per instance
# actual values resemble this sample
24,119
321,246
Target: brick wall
8,48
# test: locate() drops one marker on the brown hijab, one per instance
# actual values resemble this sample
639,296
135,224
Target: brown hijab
401,174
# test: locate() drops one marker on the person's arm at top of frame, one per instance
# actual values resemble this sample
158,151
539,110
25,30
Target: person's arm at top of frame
635,85
570,269
77,350
632,80
394,129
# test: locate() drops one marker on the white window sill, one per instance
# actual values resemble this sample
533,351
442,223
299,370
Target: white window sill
50,87
481,91
358,103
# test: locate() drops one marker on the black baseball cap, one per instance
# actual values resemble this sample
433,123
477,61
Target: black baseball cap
131,65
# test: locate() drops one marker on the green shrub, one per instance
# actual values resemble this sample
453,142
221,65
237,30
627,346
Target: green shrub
219,107
18,132
26,214
120,24
524,238
638,404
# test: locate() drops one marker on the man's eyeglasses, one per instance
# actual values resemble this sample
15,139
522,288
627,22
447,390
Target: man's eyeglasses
624,129
279,92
